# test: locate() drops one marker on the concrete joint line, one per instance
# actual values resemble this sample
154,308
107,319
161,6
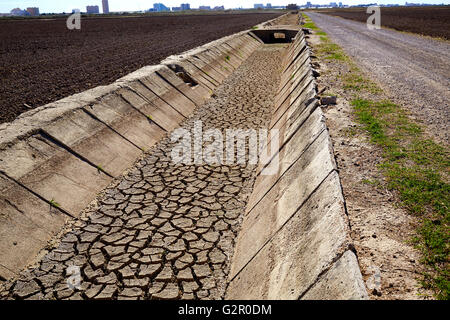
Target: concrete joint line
68,149
285,142
111,128
293,60
166,102
341,251
35,194
291,91
301,92
281,227
290,105
174,87
140,111
290,166
205,75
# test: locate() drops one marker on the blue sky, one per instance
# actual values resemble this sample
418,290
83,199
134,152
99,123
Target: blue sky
124,5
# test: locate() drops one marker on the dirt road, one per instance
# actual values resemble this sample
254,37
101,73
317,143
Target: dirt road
414,71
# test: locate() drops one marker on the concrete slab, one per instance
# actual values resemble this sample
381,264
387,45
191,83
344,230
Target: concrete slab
296,100
305,90
204,64
279,109
229,55
127,121
196,73
298,117
288,127
53,173
26,224
289,153
167,93
298,252
300,65
243,46
298,50
295,83
342,282
293,55
197,93
94,141
217,61
151,106
285,197
30,122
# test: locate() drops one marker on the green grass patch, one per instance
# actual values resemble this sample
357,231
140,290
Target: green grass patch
310,25
54,204
100,169
415,167
329,50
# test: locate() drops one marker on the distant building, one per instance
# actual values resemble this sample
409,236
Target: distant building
92,9
219,8
204,8
269,5
159,7
33,11
105,6
258,6
18,12
185,6
176,8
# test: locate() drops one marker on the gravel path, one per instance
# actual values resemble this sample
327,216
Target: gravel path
413,70
166,231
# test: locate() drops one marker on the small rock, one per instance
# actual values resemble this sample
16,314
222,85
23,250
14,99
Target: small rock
328,100
306,31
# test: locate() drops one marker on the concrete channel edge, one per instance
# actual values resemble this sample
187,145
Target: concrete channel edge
294,242
295,237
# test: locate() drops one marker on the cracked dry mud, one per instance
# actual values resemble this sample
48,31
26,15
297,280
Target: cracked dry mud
165,231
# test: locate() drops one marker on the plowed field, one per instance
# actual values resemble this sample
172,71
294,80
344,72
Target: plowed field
42,61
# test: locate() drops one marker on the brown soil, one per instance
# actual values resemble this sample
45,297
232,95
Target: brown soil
381,231
431,21
42,61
